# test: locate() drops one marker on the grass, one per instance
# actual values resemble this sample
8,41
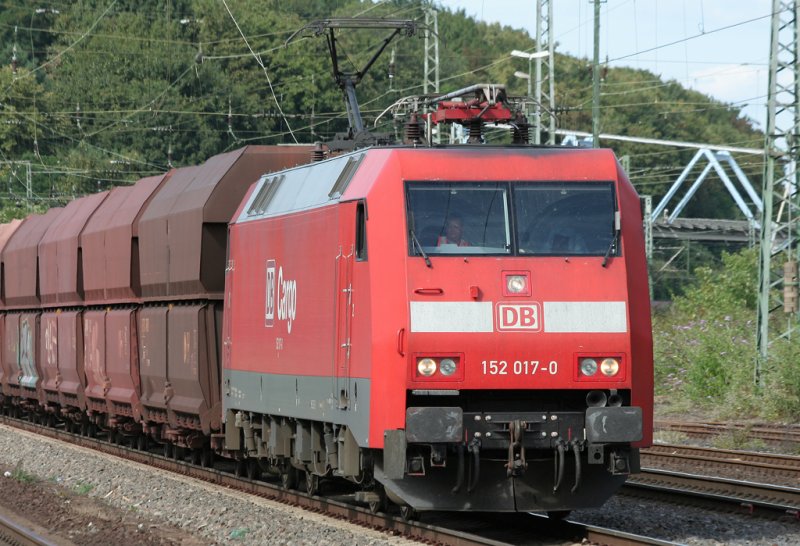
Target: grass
83,488
23,476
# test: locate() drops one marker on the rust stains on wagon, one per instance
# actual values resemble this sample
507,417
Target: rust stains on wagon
6,231
110,243
20,257
60,263
183,232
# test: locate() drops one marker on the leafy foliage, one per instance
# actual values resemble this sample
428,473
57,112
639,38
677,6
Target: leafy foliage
106,93
705,347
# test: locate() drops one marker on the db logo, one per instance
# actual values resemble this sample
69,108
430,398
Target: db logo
517,316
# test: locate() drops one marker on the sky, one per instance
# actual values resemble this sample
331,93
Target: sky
730,64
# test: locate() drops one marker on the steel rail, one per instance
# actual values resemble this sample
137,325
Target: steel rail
14,532
787,434
755,498
342,506
718,461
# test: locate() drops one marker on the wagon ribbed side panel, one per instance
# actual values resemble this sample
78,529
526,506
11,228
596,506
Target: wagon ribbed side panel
60,262
152,331
48,349
11,354
154,249
183,231
20,260
29,358
72,386
94,347
122,363
6,231
193,366
110,243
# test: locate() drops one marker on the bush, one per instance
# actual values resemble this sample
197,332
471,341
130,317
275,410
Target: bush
705,348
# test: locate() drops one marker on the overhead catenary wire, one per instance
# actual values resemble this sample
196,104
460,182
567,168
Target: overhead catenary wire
69,47
263,67
692,37
41,123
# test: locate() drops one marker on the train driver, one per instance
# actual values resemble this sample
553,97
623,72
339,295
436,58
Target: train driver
453,233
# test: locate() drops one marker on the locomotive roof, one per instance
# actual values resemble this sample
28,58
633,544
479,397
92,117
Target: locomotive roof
325,182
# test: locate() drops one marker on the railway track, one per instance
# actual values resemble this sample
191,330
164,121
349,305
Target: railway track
754,482
14,532
447,529
747,465
788,436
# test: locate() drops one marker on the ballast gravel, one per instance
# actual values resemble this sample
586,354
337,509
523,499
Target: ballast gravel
213,514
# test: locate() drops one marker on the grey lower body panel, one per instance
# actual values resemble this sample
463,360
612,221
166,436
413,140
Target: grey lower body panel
301,397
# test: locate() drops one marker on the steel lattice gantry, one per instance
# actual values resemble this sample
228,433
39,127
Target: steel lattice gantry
544,109
779,258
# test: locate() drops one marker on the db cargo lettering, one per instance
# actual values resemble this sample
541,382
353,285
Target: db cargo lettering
286,300
269,306
519,317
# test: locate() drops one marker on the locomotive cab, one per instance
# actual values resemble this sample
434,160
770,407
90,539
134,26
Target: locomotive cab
527,344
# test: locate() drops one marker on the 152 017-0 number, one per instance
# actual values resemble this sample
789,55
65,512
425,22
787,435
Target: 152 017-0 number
519,367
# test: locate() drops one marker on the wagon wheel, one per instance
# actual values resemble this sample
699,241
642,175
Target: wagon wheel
167,449
380,504
312,483
289,477
197,455
178,453
141,442
239,467
207,458
253,470
51,421
408,513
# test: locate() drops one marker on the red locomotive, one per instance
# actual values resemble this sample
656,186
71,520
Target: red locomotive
448,327
470,318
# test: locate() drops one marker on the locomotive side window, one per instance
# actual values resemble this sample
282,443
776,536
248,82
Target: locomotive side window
565,219
458,218
361,232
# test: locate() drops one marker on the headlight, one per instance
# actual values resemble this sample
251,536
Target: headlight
447,366
609,366
588,366
426,367
516,284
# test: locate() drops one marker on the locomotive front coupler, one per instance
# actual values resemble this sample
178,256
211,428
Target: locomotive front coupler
516,432
516,464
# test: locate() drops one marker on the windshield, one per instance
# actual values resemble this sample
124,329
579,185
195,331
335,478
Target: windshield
459,218
549,218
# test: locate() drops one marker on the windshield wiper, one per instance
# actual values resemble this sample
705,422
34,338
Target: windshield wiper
610,249
419,246
614,239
